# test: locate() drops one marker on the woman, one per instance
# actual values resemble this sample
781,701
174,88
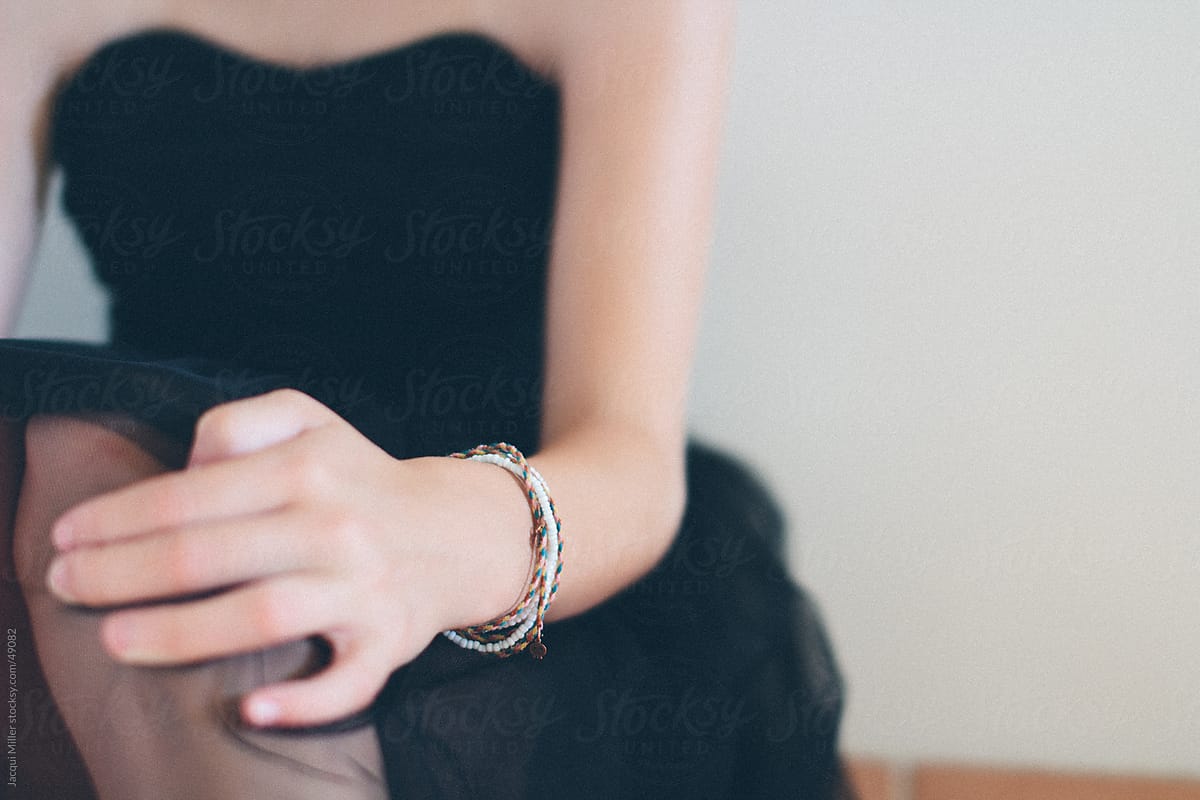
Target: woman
327,237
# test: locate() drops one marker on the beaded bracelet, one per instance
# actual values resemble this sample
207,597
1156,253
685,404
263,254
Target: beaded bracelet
520,628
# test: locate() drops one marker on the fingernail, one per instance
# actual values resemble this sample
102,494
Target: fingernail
61,535
121,640
262,711
116,634
56,580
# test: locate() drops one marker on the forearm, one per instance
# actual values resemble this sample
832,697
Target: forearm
619,493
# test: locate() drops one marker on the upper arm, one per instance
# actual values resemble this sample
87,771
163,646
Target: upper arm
27,71
643,89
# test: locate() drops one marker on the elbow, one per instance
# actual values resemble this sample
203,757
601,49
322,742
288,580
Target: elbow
668,510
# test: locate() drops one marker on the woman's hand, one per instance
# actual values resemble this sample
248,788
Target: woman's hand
308,528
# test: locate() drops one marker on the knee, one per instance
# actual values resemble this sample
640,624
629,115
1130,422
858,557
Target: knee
76,446
67,460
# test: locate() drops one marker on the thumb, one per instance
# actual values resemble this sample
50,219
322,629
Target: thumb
255,423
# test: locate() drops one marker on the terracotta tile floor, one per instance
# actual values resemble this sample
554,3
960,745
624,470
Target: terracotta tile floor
876,779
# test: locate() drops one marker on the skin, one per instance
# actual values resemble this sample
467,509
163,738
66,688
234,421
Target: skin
322,531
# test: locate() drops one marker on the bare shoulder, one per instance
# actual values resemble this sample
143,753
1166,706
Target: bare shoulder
29,50
584,35
50,38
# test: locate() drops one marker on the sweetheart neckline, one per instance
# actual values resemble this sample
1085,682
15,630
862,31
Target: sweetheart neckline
211,44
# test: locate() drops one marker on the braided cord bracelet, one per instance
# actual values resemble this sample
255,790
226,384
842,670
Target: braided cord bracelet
520,628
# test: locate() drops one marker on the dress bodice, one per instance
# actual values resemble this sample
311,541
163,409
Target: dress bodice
383,221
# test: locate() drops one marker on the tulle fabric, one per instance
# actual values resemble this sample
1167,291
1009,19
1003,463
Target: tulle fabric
713,677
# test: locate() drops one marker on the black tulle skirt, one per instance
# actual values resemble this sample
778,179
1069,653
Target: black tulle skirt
710,678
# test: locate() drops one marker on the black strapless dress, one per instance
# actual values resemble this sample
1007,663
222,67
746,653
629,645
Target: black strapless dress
374,233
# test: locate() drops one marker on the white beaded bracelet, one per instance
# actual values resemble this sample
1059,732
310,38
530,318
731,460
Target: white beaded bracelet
521,627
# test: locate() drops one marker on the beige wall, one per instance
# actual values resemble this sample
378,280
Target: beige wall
954,318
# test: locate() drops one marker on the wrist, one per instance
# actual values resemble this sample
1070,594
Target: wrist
486,516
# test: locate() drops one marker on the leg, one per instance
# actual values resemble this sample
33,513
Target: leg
159,732
46,760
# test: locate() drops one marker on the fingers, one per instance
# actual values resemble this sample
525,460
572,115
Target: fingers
346,686
255,483
263,480
275,464
253,617
182,561
256,423
256,618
